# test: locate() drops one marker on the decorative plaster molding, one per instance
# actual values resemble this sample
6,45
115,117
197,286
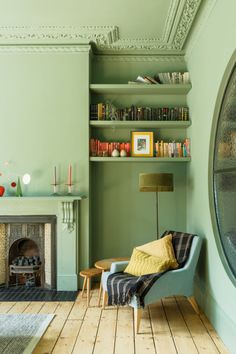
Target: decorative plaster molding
68,215
45,48
100,35
141,58
106,38
186,20
136,44
170,20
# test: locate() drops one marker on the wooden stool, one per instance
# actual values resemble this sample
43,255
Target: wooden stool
104,265
88,274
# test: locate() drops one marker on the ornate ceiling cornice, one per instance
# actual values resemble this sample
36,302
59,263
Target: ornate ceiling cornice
179,19
44,48
100,35
141,58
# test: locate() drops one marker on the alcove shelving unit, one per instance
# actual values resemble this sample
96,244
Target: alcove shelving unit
122,92
122,217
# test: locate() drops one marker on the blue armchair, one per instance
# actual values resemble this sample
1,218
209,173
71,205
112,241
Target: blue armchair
173,282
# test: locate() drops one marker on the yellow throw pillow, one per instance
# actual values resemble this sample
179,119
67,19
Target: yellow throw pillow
141,263
162,248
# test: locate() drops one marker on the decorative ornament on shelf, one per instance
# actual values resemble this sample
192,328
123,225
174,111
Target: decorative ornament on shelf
18,188
115,153
123,153
2,188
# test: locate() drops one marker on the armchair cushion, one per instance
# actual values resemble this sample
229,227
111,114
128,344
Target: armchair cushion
182,244
161,248
142,263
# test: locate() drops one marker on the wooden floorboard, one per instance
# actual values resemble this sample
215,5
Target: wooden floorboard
170,326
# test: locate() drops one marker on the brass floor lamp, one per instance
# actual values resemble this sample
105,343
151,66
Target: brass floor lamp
156,182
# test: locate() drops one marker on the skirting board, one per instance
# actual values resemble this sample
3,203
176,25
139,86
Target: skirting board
223,325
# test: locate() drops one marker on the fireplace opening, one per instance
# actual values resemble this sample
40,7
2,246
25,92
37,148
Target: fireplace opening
25,265
28,251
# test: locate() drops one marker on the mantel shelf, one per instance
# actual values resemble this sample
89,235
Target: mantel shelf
58,198
140,159
140,124
139,89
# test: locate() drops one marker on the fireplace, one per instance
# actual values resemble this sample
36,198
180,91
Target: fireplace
28,251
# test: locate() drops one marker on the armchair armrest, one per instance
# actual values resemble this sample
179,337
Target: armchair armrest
118,266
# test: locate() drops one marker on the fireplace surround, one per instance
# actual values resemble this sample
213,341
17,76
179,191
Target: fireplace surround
50,212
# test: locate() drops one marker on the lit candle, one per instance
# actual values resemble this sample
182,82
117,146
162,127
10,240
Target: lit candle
55,176
69,175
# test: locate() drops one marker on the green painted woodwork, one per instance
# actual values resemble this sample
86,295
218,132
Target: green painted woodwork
140,159
227,167
139,124
207,60
48,198
120,69
140,89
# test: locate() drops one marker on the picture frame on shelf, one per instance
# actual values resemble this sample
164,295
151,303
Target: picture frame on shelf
142,144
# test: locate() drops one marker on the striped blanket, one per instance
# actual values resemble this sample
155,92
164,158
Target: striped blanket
121,287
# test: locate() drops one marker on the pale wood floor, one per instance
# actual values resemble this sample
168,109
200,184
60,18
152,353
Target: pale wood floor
170,326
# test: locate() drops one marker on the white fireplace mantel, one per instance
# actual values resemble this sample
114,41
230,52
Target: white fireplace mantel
67,231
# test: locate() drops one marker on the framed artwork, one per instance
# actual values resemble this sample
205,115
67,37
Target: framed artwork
142,144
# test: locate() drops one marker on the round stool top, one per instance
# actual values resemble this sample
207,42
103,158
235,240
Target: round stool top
105,264
90,272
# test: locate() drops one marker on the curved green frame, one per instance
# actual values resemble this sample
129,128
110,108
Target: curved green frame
224,83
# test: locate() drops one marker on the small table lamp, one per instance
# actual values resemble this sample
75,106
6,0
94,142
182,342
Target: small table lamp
156,182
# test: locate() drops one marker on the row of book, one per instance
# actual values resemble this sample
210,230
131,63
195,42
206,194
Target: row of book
161,148
172,149
106,111
164,78
104,148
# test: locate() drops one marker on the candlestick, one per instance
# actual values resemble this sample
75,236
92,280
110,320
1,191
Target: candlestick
70,175
54,184
55,176
69,188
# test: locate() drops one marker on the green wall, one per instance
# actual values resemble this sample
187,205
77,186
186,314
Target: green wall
207,60
44,104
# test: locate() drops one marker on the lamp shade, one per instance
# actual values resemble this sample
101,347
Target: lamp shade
156,182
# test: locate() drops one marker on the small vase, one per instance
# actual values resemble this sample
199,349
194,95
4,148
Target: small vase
115,153
18,189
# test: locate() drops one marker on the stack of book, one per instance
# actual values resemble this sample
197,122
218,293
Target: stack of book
173,78
172,149
168,78
104,148
102,111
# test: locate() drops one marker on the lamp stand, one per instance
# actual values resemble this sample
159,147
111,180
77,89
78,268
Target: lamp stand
157,224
